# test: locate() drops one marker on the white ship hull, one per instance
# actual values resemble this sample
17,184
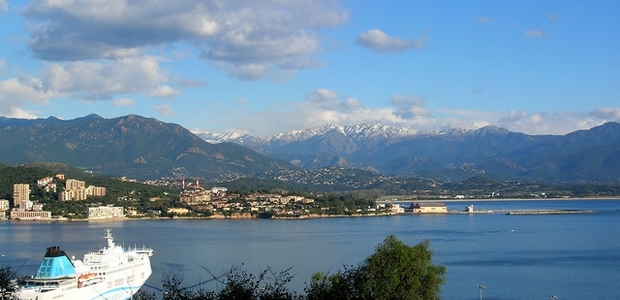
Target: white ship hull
112,273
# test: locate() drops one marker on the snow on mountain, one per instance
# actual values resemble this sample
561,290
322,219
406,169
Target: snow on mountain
359,131
301,135
365,131
216,138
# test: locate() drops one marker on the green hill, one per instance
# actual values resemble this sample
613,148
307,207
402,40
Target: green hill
130,146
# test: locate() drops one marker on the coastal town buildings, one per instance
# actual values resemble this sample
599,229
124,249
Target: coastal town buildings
36,213
429,208
4,207
21,194
105,212
23,208
76,190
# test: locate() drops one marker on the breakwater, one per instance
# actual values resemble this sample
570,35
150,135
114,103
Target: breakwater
523,212
549,212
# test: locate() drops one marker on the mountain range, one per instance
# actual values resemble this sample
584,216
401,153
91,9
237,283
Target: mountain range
147,148
450,155
131,146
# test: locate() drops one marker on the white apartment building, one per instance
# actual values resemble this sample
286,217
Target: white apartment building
105,212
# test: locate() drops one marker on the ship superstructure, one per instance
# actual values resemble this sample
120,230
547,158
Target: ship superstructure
112,273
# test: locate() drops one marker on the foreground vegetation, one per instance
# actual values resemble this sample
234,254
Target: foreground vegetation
394,271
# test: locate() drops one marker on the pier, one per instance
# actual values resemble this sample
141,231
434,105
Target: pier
548,212
522,212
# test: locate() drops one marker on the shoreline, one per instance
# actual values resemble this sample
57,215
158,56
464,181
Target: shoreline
249,216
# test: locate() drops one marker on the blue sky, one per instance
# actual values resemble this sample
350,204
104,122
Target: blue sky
265,67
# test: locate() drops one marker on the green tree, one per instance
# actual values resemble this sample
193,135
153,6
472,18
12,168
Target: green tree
394,271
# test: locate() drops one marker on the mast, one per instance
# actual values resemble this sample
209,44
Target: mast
109,237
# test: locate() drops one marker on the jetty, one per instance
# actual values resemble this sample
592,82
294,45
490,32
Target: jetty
548,212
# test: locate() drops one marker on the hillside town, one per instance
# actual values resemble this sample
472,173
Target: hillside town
193,201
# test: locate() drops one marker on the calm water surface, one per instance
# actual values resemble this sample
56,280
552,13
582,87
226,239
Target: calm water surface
514,257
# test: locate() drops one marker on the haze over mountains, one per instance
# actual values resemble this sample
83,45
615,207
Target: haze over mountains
141,147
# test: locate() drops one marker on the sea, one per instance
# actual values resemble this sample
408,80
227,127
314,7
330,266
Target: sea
569,256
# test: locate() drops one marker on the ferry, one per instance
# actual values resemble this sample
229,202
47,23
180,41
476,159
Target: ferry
112,273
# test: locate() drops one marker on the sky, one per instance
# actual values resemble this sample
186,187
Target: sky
271,66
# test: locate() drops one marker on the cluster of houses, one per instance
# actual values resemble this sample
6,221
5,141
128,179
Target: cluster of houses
218,199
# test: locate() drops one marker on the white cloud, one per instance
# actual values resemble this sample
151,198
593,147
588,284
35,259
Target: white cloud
557,122
92,81
378,41
87,81
248,71
324,105
329,100
165,91
534,33
17,92
607,114
276,34
124,102
2,66
4,6
409,107
164,110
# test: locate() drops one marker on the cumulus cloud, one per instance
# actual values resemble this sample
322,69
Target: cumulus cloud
4,7
324,105
94,81
124,102
238,34
330,100
165,91
409,107
248,71
164,110
86,81
2,66
557,122
534,33
378,41
17,92
607,114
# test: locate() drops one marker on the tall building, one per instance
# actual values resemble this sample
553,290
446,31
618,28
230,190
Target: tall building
4,205
21,194
74,190
97,191
73,184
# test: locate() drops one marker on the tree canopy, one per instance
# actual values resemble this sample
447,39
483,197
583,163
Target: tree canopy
394,271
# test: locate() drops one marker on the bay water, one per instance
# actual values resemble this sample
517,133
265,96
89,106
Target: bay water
571,256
